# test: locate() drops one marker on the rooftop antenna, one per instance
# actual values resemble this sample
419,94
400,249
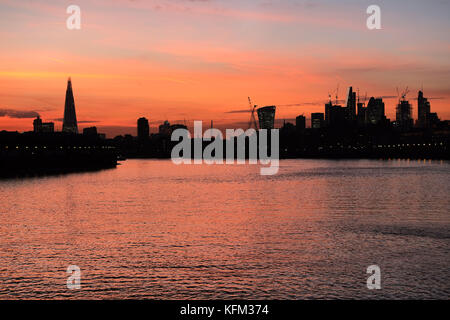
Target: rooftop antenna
337,93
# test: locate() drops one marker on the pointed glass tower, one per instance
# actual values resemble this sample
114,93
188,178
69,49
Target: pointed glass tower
351,104
70,117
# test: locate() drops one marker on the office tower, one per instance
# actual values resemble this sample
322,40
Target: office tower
70,117
423,111
327,113
351,105
317,120
266,117
164,128
287,129
300,123
433,119
37,124
403,114
361,117
48,127
335,115
375,111
91,131
143,129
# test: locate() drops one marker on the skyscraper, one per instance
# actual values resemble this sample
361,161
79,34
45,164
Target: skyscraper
351,105
164,128
40,127
423,111
266,117
90,131
317,120
361,117
335,115
403,114
433,119
375,111
70,117
300,123
143,129
37,124
328,106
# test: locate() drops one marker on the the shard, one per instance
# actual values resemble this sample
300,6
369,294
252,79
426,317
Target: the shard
351,104
70,117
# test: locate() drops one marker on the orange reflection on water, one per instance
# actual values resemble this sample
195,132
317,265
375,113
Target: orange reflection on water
151,229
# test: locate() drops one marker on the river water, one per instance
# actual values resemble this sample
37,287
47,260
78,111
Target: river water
151,229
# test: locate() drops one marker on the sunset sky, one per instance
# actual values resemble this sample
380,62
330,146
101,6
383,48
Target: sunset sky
185,60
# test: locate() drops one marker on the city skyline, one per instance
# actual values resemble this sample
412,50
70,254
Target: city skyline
340,110
225,158
291,55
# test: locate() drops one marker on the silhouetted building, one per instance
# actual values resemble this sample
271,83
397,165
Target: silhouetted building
375,113
327,113
300,123
317,120
164,128
287,129
174,127
433,119
91,131
48,127
423,111
335,115
143,129
403,115
70,117
351,105
40,126
266,117
361,117
37,124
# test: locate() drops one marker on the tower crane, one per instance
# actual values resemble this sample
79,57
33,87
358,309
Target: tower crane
405,93
402,96
252,121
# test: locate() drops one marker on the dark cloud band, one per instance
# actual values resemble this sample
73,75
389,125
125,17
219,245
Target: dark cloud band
18,114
